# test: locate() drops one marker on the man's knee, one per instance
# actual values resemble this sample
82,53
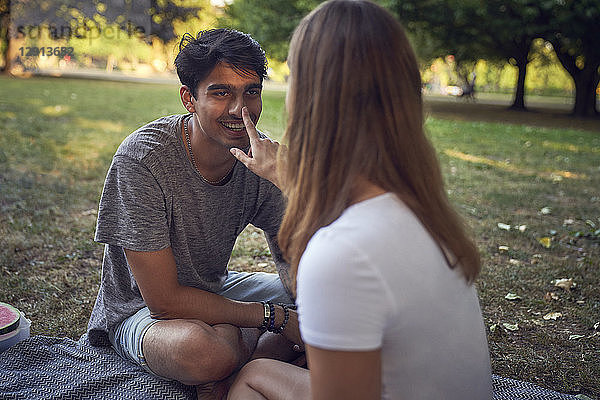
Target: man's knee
254,371
210,354
198,353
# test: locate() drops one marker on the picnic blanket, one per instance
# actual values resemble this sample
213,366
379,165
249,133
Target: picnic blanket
48,368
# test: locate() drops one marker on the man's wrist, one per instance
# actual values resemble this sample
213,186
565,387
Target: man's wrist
266,308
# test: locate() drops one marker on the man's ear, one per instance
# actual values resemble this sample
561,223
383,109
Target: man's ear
187,98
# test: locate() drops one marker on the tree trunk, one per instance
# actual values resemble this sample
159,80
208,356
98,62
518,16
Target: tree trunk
5,33
519,99
586,82
10,55
522,46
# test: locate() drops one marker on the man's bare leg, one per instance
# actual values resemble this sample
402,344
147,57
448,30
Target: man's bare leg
269,345
274,346
193,352
271,380
196,353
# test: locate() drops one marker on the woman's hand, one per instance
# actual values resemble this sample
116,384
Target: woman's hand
292,330
262,157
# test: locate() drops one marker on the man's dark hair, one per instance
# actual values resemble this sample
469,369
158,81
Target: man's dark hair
198,56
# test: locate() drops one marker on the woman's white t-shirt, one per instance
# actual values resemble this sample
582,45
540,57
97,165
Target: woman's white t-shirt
375,278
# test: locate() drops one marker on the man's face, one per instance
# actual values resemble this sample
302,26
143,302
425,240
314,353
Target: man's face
219,101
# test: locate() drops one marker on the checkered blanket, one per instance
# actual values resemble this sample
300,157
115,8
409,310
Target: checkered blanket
50,368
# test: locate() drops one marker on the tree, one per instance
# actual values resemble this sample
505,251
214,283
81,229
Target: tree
510,28
440,27
576,43
4,30
270,22
164,13
472,29
64,19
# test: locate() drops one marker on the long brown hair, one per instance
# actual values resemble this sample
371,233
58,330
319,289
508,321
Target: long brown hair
355,110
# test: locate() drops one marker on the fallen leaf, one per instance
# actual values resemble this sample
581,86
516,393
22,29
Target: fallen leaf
546,211
545,241
552,315
503,248
556,178
549,296
503,226
511,327
493,328
512,296
565,283
574,337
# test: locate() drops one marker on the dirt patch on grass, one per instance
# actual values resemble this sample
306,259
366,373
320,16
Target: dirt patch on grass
539,114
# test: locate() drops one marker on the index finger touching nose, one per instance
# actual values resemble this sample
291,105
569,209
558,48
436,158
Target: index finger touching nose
250,129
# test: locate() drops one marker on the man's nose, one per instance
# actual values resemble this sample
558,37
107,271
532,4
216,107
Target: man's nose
235,106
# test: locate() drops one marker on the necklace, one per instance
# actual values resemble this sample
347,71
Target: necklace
189,146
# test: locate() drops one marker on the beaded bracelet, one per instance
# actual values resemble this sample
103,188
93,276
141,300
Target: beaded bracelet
267,317
272,317
286,311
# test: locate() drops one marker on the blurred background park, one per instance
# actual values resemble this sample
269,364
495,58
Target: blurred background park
511,93
521,47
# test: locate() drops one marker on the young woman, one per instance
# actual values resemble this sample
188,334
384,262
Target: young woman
384,266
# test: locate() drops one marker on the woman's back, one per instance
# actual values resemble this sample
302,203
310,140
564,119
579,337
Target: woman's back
375,278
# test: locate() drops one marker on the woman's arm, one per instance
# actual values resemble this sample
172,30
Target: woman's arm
344,375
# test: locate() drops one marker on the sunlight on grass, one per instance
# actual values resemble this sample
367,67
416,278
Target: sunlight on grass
101,124
7,115
512,168
569,147
55,111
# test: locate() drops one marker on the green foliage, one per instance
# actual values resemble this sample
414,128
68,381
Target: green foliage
270,22
505,30
165,12
107,32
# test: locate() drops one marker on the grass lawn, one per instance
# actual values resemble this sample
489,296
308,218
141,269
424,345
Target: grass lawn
57,137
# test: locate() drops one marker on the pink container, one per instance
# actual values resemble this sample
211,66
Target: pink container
22,332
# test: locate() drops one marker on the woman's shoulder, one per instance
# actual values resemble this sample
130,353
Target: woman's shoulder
384,217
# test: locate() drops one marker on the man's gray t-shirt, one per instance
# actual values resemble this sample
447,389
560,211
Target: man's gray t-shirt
153,198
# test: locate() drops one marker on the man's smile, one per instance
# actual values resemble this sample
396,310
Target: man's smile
236,126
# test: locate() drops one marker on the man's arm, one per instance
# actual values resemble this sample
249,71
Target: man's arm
156,275
283,268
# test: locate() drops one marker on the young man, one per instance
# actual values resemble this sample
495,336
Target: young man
174,202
